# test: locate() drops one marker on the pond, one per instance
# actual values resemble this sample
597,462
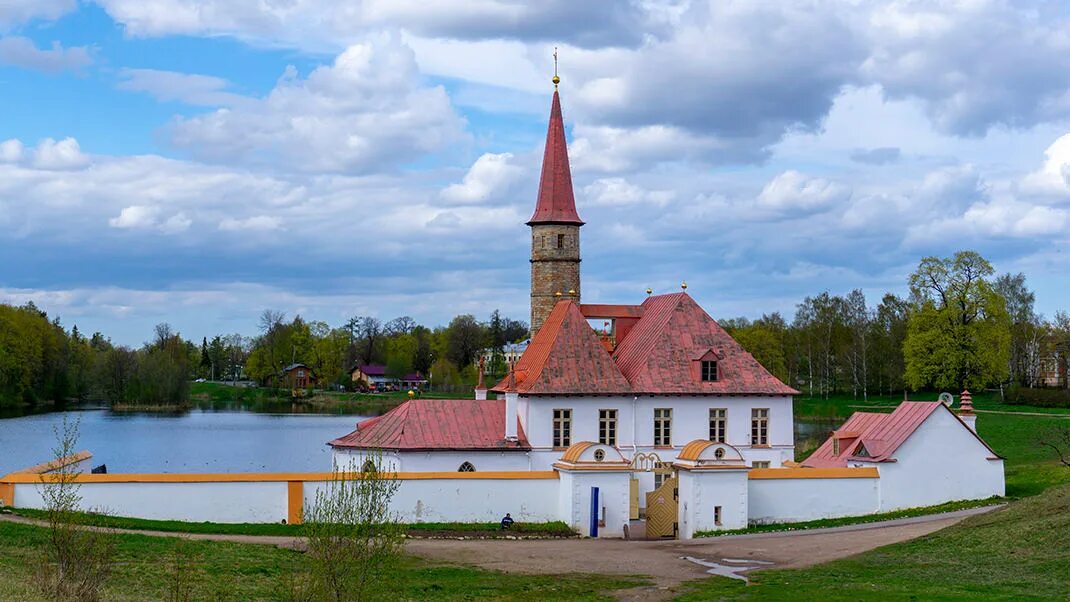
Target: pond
207,440
195,441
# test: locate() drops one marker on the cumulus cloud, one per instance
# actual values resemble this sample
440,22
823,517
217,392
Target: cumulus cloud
256,223
22,52
366,110
189,88
490,175
10,150
63,154
1054,175
15,12
876,156
613,192
134,216
795,192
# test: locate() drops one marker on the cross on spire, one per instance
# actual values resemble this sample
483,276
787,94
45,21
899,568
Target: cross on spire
555,79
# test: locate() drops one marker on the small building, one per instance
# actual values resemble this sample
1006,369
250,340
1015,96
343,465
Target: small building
298,376
374,377
511,353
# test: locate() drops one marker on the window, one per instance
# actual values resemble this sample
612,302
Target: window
717,515
599,455
562,428
467,467
709,371
607,427
300,374
663,426
759,426
861,452
718,425
665,473
560,241
760,464
835,446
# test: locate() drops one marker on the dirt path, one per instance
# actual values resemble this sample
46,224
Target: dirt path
667,563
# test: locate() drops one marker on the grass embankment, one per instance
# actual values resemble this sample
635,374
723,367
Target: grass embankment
1030,467
224,396
1020,552
146,567
855,520
550,529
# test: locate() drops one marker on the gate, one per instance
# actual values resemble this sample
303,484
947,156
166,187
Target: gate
662,509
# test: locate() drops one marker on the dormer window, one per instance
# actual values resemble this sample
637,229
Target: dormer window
861,451
835,446
709,371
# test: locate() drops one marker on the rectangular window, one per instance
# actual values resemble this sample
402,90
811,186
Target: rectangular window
717,515
759,426
607,427
663,426
664,473
562,428
719,425
560,241
835,446
709,371
760,464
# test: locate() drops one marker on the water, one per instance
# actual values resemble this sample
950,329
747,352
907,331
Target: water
194,441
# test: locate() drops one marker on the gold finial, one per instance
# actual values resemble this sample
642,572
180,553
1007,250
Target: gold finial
557,294
571,292
412,393
556,79
683,285
649,291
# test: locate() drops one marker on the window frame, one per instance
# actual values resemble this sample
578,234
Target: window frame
761,464
759,427
607,426
723,422
704,371
662,427
470,467
561,428
560,241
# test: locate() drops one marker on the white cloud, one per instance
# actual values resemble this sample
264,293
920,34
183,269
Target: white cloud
613,192
64,154
260,223
1054,174
22,52
11,150
15,12
795,192
170,86
365,111
134,216
489,176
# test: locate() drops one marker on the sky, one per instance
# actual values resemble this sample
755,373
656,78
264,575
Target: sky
198,161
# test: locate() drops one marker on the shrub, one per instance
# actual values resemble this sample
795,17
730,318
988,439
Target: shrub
1044,398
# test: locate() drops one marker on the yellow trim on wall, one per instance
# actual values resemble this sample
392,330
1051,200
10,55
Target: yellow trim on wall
52,465
813,473
295,502
268,477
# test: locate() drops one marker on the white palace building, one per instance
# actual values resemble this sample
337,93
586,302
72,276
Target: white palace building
660,417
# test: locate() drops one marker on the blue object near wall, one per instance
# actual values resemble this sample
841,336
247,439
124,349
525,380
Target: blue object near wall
594,512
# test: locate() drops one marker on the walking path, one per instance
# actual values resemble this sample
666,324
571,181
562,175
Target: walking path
668,563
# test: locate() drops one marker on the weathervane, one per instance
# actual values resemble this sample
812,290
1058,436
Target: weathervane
556,79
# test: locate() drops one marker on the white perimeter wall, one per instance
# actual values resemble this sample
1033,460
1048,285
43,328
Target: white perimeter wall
702,491
942,461
244,502
444,461
574,499
794,500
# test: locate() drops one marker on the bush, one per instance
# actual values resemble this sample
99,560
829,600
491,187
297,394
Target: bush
1044,398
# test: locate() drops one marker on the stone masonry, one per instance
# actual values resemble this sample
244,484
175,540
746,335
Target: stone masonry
555,268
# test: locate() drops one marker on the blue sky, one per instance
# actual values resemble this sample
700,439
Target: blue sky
198,161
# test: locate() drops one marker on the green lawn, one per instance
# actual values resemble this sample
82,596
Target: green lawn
1020,552
222,396
238,572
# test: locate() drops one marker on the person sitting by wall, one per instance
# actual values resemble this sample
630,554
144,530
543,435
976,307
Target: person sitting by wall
507,522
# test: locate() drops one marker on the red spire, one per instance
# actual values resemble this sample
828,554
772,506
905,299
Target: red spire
556,203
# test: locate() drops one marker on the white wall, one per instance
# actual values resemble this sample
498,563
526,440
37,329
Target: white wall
940,462
440,461
794,500
244,502
574,500
701,491
469,500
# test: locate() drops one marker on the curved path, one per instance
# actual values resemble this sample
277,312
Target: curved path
668,562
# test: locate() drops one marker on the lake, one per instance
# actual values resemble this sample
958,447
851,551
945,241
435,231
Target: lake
194,441
202,440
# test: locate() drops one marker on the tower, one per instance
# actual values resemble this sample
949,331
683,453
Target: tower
555,225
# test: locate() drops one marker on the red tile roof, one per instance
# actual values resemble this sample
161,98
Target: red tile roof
556,204
662,352
566,357
437,424
880,434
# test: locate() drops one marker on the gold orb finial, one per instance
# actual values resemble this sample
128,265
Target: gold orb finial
571,292
557,294
683,285
412,393
649,291
555,79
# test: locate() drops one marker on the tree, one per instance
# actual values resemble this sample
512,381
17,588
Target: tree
1026,329
465,339
959,331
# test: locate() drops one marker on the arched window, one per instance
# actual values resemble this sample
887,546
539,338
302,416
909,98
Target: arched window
467,467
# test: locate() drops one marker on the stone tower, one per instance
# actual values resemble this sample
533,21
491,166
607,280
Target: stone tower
555,227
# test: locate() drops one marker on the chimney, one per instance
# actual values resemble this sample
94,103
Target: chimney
965,411
511,401
481,388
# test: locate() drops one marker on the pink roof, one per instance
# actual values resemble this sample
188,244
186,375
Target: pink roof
659,355
880,434
556,204
437,424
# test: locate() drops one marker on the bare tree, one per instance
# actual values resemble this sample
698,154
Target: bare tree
352,534
1058,439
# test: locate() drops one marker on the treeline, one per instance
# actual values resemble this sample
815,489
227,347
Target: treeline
40,362
960,326
447,353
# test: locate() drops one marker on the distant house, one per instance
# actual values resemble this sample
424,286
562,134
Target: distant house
510,353
1053,367
374,377
298,376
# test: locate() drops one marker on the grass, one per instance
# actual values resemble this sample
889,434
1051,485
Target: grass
237,572
1020,552
550,529
854,520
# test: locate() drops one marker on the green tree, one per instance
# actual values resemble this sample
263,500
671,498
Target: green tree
958,335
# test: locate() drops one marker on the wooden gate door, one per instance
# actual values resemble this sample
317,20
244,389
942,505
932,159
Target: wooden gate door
661,510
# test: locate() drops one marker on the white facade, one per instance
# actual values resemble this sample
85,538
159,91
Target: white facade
773,500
